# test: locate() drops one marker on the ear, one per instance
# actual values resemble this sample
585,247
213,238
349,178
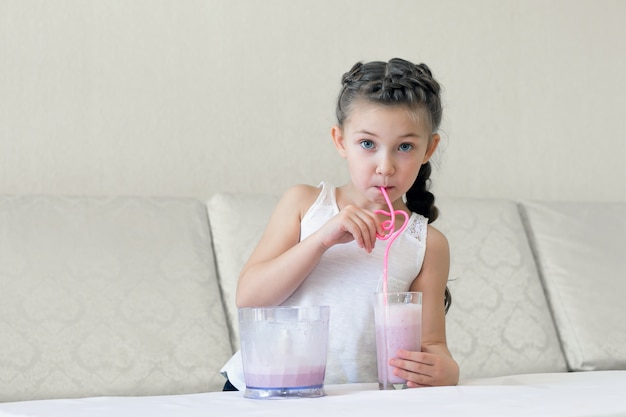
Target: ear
432,147
337,135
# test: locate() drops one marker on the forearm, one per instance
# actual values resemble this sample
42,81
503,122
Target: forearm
271,282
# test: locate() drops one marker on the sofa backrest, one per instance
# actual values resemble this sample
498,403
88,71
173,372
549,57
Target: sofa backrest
499,322
237,223
581,251
107,296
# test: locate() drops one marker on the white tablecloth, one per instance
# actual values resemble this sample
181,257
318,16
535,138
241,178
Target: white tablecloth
536,395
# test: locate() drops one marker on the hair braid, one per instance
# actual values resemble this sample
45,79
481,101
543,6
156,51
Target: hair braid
419,199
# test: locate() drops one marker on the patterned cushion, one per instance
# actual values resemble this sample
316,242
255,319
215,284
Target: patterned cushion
499,322
237,223
580,249
107,297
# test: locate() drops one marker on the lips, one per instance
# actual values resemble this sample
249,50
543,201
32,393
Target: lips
388,190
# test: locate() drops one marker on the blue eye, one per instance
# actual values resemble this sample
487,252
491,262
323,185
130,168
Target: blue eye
367,144
405,147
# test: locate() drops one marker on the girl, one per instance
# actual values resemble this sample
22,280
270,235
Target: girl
320,244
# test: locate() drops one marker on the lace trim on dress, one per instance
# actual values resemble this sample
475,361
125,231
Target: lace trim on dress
417,227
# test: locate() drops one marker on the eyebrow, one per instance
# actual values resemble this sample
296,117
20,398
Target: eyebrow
406,135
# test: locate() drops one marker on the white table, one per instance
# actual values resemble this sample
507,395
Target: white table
536,395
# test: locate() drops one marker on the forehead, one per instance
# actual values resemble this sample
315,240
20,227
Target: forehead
370,115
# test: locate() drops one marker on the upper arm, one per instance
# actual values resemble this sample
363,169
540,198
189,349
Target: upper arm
283,229
432,281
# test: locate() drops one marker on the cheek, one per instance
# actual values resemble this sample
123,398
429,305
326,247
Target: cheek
358,161
360,170
410,170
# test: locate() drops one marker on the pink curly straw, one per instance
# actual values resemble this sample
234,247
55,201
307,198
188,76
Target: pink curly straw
392,233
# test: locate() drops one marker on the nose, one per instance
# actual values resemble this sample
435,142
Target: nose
385,166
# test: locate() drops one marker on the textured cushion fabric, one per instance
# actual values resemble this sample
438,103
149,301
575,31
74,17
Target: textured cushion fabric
580,248
107,296
499,322
237,223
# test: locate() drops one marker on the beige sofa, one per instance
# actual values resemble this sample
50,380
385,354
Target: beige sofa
133,296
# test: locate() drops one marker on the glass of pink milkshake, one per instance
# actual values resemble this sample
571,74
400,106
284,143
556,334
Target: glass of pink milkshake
284,351
398,322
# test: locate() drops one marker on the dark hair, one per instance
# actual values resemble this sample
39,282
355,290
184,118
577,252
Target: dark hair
397,83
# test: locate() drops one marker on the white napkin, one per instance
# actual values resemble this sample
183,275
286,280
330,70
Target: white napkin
233,370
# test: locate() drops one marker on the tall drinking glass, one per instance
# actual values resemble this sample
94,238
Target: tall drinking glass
398,321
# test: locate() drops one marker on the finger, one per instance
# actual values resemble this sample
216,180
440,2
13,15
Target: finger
363,228
413,379
409,366
421,357
368,233
355,226
411,384
372,225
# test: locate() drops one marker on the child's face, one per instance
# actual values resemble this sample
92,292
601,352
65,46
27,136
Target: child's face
384,146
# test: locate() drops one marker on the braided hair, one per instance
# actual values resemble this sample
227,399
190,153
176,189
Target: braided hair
397,83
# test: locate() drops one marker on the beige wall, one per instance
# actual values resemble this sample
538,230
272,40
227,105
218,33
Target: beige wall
186,98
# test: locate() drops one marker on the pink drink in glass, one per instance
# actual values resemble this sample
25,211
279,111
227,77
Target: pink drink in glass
398,318
305,377
284,350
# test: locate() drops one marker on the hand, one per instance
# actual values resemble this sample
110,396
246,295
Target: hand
428,368
351,223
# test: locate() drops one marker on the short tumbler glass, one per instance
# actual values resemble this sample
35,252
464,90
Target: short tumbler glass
284,351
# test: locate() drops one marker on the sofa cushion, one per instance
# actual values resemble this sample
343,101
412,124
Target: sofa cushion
580,250
499,322
237,223
107,296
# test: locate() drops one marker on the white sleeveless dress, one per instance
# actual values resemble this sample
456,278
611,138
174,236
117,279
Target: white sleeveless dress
346,279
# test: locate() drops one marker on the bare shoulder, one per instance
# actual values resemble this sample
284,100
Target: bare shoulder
436,240
283,229
299,198
303,191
